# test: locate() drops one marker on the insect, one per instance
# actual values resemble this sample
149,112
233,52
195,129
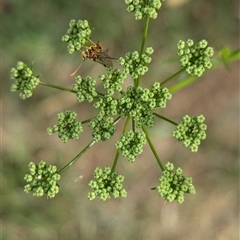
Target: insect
95,53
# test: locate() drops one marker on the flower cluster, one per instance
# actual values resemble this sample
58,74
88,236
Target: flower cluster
131,144
136,64
191,131
142,8
77,35
42,180
67,127
86,88
113,80
139,103
26,82
106,105
103,129
106,184
160,95
173,184
195,58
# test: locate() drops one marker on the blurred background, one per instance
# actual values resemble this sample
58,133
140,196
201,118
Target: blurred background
32,32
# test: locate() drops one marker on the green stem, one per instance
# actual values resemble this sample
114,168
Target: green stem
57,87
78,156
166,119
118,152
126,125
87,120
133,125
185,82
117,120
171,77
145,32
153,149
232,56
115,160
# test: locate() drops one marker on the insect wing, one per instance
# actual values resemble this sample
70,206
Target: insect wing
104,59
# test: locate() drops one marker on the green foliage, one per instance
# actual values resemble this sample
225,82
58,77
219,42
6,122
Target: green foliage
137,105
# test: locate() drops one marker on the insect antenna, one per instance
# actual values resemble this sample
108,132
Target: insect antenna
77,68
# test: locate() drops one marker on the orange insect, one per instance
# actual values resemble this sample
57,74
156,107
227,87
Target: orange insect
95,53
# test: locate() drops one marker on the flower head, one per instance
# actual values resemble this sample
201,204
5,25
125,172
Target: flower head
42,180
26,82
195,58
77,35
67,127
173,184
106,184
191,131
